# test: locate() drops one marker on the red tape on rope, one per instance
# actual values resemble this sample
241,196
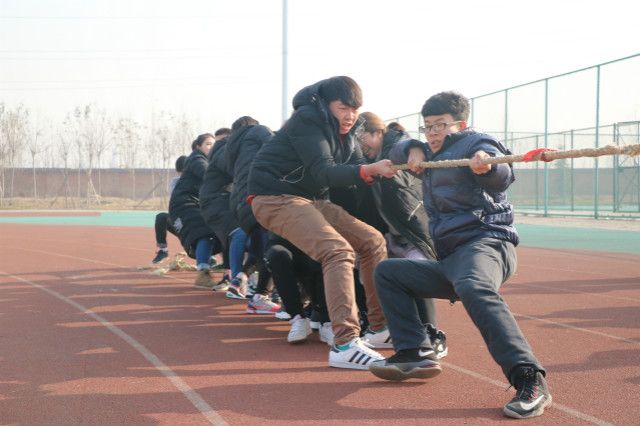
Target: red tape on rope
537,154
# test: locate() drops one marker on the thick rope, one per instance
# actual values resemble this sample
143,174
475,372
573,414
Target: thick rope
541,155
177,264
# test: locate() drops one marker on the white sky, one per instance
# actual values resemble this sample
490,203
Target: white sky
218,60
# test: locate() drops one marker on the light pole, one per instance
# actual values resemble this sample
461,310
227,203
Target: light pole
285,54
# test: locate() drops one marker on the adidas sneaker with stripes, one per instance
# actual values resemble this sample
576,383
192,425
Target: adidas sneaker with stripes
356,356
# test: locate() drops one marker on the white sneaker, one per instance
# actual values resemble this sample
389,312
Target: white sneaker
357,356
326,333
378,339
300,329
282,314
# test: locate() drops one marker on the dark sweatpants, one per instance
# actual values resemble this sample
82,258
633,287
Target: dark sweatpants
472,274
162,225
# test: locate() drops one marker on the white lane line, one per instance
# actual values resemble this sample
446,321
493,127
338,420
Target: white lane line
560,407
583,330
197,401
127,268
567,290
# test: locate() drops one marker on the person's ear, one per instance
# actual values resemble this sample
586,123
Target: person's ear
462,125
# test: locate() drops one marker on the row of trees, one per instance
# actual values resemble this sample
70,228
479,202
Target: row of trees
86,140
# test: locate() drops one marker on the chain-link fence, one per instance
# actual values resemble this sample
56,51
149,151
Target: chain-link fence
586,108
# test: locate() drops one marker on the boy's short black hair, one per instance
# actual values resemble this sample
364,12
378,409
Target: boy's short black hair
180,163
343,89
447,103
222,131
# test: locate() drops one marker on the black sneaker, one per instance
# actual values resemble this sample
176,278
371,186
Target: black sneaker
438,341
160,256
532,394
418,363
275,297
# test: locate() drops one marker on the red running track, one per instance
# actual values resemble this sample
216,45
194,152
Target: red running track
87,339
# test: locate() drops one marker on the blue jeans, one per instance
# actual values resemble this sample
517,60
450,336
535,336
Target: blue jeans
237,247
204,248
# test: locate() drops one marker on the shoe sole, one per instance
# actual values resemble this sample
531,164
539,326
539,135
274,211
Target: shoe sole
259,312
302,340
349,365
234,296
287,318
535,413
395,374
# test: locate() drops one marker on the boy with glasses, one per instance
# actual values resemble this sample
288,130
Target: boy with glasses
471,224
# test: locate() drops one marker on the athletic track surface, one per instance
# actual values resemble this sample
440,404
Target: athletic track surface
88,339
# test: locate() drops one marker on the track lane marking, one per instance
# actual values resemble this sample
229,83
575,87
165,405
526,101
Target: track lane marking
198,402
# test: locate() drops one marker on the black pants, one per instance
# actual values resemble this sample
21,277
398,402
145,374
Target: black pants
258,243
162,225
288,266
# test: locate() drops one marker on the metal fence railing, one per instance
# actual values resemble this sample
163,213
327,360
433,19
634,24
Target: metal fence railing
586,108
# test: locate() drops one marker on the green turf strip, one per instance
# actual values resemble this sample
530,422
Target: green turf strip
530,235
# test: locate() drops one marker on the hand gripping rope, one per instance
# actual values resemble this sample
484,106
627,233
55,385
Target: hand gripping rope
541,154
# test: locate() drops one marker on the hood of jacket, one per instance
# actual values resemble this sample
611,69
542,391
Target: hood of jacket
309,104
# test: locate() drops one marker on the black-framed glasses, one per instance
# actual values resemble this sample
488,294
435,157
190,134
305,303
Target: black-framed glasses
437,127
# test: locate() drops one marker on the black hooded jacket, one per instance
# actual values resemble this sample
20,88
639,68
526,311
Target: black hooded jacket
243,145
184,204
216,191
307,155
400,201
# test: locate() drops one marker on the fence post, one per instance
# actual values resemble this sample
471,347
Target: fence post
546,145
537,178
572,176
506,114
597,171
615,178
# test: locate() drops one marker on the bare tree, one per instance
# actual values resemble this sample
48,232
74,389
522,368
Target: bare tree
4,149
35,147
65,136
13,129
127,133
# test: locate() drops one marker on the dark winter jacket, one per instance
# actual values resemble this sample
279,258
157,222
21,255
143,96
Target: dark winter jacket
184,204
216,191
241,149
307,155
399,200
461,205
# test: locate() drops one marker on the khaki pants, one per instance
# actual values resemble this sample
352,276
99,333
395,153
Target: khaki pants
332,237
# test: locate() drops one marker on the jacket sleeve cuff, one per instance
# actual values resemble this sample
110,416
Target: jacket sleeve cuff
366,178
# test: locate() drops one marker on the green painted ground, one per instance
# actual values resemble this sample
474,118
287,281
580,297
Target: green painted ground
579,238
127,218
530,235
